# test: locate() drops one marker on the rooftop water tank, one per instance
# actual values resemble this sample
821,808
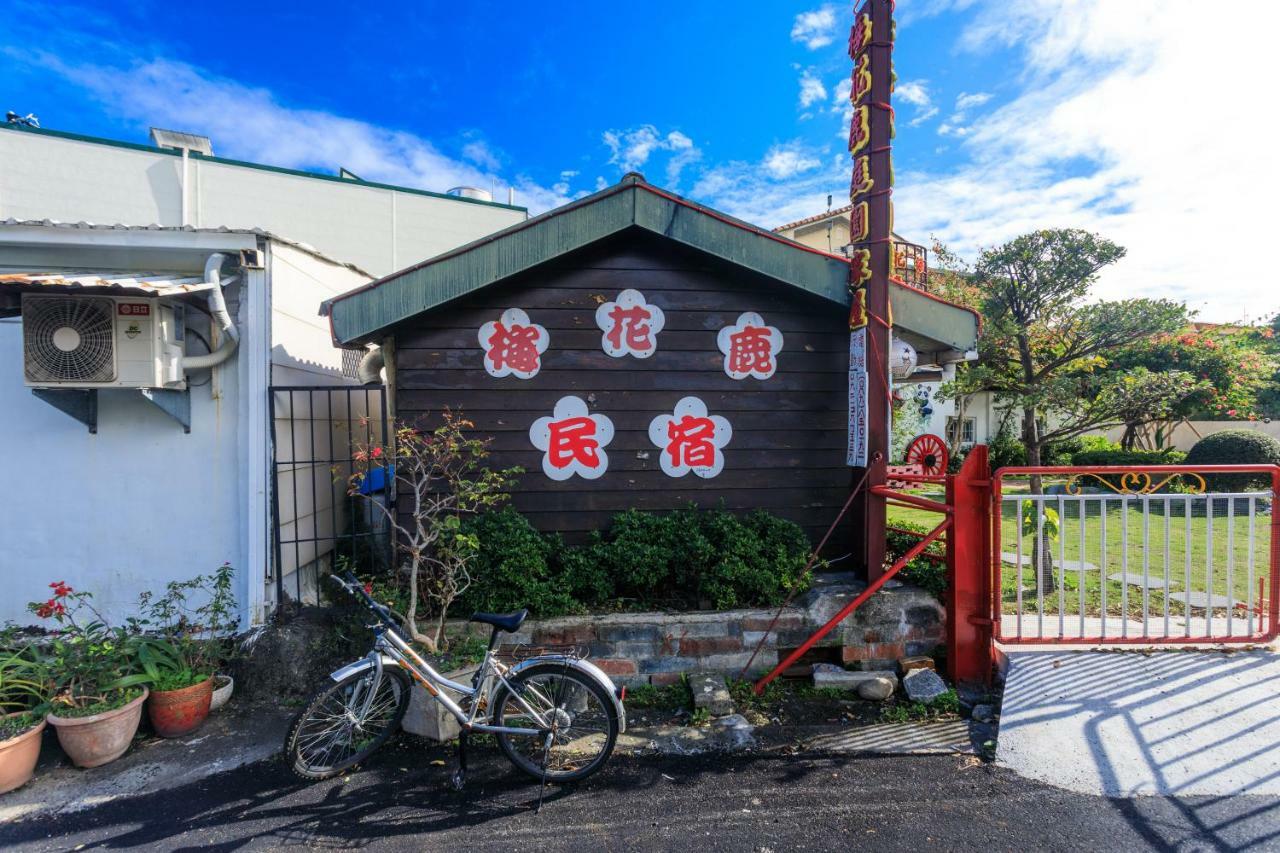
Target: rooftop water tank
471,192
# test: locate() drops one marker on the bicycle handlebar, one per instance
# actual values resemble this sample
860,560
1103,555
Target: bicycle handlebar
355,588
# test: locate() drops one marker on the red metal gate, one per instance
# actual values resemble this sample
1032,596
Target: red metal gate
1142,555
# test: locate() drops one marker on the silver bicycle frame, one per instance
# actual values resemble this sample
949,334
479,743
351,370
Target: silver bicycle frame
390,645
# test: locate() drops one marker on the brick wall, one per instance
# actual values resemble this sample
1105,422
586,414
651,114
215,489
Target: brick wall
657,647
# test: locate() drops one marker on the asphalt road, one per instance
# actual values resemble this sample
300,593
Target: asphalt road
753,803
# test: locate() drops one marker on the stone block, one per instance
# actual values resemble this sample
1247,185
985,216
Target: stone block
786,622
617,666
751,639
874,651
710,692
731,664
703,646
923,685
629,633
830,675
564,635
911,662
428,718
668,663
662,679
879,688
704,628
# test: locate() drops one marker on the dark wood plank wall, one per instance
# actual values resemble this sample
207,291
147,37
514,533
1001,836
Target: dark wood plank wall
787,450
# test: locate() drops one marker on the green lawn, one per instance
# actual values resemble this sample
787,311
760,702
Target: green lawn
1216,556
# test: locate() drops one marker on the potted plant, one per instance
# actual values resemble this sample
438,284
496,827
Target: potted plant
182,648
23,704
97,695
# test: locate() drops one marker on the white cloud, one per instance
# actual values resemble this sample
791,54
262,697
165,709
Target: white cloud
816,28
785,161
811,89
249,123
922,116
631,149
966,100
913,92
1119,128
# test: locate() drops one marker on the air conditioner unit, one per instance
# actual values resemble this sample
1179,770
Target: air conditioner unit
101,342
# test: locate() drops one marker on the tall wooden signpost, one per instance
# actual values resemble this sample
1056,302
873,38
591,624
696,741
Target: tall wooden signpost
870,266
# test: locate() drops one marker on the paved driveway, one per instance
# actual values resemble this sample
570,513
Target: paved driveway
1133,723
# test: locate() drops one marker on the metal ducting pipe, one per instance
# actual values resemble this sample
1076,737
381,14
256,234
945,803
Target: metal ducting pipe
218,308
370,369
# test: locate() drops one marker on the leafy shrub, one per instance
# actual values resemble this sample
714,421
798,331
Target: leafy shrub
1061,452
1128,457
1236,447
1005,451
513,568
1090,443
925,572
683,559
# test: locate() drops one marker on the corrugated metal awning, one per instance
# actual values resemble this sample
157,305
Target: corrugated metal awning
134,283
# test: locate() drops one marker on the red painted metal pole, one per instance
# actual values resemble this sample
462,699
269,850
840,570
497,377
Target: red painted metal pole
1273,610
970,613
911,500
853,605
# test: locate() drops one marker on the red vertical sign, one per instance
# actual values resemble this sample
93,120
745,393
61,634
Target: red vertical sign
870,259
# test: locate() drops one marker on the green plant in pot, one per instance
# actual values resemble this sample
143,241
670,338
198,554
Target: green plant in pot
182,648
24,701
96,692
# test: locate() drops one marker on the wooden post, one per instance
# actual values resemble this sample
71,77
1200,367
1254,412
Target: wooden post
870,267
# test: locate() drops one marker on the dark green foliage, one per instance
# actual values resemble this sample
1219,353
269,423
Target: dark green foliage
925,572
1236,447
685,559
1061,452
514,568
1005,451
1128,457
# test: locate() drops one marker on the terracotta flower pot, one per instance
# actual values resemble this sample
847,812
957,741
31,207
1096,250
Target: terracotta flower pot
96,740
223,687
18,757
175,713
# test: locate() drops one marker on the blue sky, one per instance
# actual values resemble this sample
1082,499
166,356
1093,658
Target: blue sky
1012,114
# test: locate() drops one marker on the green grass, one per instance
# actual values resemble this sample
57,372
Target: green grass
1190,543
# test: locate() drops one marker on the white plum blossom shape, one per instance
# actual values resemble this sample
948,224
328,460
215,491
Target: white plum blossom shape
630,325
750,347
572,440
690,440
515,350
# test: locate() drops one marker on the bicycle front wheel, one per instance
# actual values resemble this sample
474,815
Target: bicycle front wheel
345,722
581,716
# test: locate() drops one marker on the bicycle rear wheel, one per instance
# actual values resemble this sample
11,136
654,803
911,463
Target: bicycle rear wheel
343,724
582,715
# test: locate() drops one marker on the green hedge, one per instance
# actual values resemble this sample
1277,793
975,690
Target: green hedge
1236,447
1128,457
927,572
686,559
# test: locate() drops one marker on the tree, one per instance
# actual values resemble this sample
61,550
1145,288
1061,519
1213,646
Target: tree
1230,367
1044,350
441,477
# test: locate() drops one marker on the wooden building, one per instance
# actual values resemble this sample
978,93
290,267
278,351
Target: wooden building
634,349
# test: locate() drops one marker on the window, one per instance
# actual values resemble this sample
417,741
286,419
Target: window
967,431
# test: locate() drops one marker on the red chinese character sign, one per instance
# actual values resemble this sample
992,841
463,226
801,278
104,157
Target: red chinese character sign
572,440
690,440
750,347
630,325
513,346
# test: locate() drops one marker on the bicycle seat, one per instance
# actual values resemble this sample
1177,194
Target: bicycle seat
509,622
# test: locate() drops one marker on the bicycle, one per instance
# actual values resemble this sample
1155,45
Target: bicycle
556,717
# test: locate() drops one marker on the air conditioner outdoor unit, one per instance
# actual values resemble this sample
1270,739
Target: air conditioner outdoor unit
101,342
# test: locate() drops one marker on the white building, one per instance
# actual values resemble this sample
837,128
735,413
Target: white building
105,488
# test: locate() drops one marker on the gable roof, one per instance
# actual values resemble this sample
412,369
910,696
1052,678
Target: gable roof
358,316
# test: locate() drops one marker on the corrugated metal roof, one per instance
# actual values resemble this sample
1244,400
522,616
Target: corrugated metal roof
189,229
140,283
360,315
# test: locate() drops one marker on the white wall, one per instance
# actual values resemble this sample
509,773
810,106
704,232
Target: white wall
45,176
1187,433
139,504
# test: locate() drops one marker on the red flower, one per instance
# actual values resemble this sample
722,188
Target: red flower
376,452
368,589
44,611
60,589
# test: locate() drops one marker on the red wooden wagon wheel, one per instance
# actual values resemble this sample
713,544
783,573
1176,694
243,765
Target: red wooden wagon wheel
929,452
